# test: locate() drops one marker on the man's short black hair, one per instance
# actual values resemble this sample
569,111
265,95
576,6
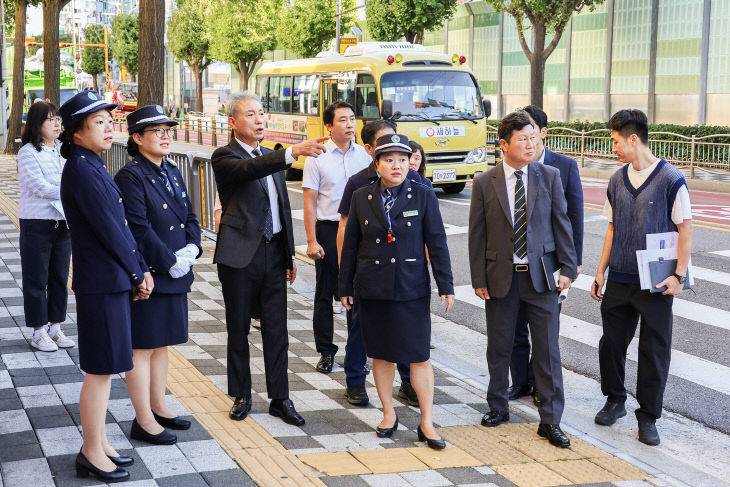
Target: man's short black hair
328,117
367,134
631,121
538,115
516,120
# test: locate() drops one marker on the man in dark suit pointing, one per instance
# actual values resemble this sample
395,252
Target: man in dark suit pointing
255,251
517,218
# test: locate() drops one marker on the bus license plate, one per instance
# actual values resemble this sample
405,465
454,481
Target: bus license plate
441,175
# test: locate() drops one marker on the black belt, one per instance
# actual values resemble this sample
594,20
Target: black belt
521,267
275,238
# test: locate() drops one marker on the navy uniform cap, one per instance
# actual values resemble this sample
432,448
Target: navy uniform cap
145,116
392,143
81,105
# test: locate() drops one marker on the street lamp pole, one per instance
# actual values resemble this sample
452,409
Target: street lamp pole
337,41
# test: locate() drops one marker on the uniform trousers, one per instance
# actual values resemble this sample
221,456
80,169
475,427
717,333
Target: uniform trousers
45,252
621,308
355,354
326,270
520,366
262,281
543,318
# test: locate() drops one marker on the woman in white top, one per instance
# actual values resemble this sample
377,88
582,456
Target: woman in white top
45,243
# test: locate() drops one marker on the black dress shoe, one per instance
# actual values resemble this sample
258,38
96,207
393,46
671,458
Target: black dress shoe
648,433
610,413
495,418
163,438
554,434
284,409
176,423
84,468
408,394
121,461
357,395
435,444
387,432
515,392
326,362
241,408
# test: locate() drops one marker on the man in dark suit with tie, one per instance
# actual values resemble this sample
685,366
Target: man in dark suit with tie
517,217
255,251
523,378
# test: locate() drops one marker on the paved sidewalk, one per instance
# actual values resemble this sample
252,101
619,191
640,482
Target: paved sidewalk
39,422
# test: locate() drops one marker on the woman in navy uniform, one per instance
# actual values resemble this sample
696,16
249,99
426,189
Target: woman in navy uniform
162,220
383,261
108,273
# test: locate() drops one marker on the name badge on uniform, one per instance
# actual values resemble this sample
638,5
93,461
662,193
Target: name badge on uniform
408,213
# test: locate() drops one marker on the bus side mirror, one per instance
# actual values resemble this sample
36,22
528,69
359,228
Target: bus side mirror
386,109
487,107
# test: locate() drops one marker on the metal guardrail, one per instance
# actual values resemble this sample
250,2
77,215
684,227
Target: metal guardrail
202,131
707,154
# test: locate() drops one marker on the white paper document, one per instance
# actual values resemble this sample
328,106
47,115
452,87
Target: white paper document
659,246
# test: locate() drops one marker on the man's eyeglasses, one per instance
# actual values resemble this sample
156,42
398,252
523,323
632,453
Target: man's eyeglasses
162,132
54,119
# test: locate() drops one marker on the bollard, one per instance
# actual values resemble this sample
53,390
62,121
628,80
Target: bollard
497,152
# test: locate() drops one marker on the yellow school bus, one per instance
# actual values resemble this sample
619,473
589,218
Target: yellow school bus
434,98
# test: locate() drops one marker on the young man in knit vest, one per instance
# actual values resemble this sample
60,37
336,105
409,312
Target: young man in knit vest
647,195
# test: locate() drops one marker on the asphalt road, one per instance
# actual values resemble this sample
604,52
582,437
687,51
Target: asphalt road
697,388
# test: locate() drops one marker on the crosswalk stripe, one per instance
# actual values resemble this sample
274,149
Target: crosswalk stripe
711,275
686,366
724,253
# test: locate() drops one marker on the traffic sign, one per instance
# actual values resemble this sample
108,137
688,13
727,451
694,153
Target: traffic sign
347,41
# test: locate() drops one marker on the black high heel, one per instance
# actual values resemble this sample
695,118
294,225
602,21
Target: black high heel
121,461
435,444
387,432
84,467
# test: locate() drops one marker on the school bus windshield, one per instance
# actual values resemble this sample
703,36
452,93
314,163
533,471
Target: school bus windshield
432,95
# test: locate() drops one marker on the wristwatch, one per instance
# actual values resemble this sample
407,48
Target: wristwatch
681,279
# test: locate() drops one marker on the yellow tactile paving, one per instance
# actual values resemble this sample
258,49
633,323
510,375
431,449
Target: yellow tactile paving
513,432
450,457
620,468
263,458
483,446
389,460
543,451
530,475
586,450
335,463
581,471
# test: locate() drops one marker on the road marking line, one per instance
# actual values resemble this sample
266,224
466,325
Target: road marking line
686,366
454,202
724,253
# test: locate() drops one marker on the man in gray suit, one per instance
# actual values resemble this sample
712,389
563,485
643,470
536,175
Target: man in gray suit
518,221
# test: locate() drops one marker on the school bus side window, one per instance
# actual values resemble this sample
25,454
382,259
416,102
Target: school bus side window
263,91
280,93
306,95
366,97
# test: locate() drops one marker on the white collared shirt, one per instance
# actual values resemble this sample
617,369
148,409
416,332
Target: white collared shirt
328,175
39,178
510,180
542,157
273,193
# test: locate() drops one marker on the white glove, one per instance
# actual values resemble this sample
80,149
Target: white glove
181,268
190,251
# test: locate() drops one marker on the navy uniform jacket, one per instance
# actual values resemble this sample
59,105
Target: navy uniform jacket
570,177
372,268
105,256
160,222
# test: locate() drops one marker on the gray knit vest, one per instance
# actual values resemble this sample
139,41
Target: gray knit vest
637,212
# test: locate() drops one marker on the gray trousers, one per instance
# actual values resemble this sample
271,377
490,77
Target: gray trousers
543,317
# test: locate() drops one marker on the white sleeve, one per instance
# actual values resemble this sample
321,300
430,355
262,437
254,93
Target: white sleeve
608,210
288,158
310,175
682,209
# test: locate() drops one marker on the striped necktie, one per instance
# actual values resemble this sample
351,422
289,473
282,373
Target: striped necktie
388,200
269,221
520,217
166,179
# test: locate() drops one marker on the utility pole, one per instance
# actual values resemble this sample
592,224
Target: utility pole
3,75
337,41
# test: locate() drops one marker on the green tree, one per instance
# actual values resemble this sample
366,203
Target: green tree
311,25
124,40
545,17
92,59
389,20
188,41
241,31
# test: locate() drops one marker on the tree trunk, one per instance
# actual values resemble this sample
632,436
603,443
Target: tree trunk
537,66
95,79
242,75
51,51
198,73
16,110
151,49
